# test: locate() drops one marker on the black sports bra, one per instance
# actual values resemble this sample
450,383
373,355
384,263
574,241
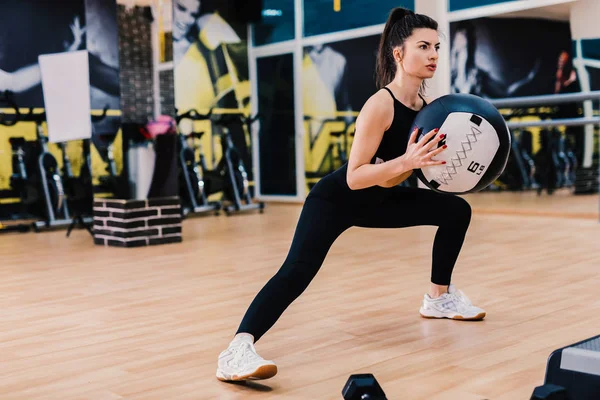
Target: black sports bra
395,138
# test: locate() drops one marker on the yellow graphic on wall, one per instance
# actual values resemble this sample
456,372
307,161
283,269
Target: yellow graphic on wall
328,117
210,65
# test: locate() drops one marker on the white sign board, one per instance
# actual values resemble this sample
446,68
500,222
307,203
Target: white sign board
66,86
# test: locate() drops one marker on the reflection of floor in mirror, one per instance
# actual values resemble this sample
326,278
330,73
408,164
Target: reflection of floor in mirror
85,321
563,203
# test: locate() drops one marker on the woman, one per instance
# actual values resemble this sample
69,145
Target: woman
102,76
204,49
468,77
29,76
365,193
565,75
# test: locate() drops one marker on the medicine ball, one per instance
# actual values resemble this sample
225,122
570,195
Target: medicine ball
478,143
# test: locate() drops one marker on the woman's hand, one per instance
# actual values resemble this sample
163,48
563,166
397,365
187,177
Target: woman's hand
419,154
78,31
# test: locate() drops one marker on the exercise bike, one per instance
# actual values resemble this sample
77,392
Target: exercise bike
46,177
18,160
526,150
35,175
230,175
194,199
79,190
112,184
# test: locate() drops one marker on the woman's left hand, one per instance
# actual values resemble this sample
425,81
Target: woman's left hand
78,33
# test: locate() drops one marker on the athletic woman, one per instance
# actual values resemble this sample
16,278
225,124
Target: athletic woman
365,193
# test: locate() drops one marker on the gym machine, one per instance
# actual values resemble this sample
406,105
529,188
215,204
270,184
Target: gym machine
191,173
113,184
45,175
18,161
35,176
79,190
228,176
231,175
47,194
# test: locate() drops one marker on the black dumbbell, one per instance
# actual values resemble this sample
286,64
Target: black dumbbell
363,387
550,392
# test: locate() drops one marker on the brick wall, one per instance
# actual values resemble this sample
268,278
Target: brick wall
133,223
167,93
136,67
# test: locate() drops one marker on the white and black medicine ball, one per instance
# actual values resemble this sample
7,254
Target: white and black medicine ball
478,141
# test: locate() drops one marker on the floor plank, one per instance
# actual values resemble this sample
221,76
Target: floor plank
88,322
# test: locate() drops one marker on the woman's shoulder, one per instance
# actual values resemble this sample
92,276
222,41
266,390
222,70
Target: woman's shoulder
381,99
380,102
378,109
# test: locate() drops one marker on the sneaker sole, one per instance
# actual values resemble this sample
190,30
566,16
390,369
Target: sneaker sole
263,372
477,317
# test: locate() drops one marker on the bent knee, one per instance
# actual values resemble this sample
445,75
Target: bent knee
459,209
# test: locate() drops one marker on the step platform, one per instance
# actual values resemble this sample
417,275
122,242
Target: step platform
577,369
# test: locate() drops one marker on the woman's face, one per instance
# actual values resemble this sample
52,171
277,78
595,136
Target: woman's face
419,54
459,54
185,13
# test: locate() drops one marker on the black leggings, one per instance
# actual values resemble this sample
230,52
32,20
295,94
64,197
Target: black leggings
325,216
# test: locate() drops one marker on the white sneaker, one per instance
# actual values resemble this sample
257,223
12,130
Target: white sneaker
240,362
454,305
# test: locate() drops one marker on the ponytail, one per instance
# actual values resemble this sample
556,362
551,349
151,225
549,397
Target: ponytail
386,66
399,26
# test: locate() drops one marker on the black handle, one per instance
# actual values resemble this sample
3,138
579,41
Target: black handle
194,115
7,97
98,118
235,118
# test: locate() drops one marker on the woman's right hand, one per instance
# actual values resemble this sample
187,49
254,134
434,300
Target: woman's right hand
419,154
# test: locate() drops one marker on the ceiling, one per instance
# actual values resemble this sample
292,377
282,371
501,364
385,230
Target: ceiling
558,12
141,3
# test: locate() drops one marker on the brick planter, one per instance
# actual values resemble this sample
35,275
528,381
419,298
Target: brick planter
134,223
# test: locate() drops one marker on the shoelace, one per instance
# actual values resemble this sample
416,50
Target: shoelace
244,350
461,301
464,298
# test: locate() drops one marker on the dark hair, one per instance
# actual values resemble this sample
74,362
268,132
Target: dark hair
400,25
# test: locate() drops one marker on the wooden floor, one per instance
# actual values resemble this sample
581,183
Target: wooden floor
87,322
561,204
